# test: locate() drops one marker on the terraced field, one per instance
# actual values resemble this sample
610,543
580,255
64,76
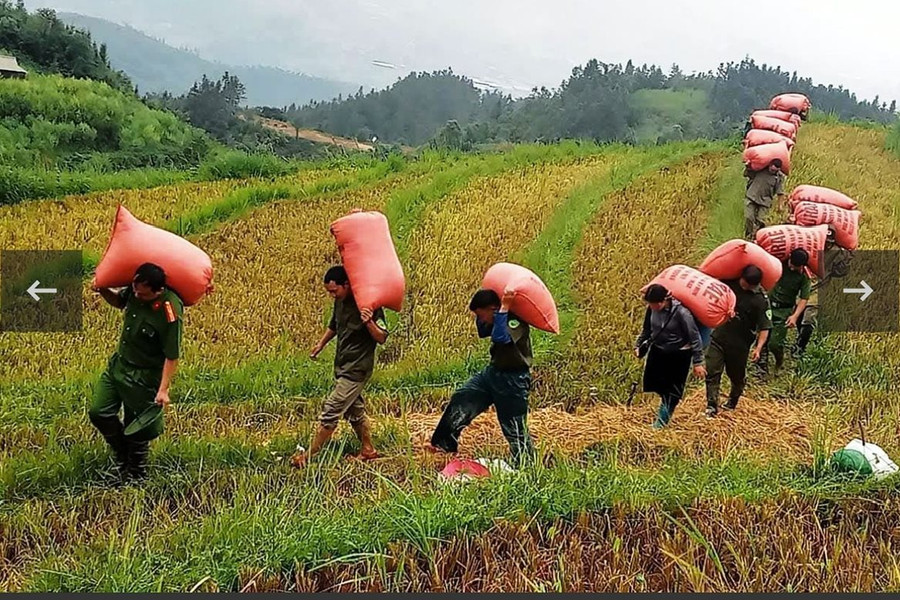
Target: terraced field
741,503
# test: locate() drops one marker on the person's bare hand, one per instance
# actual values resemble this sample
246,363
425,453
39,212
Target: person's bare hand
755,356
699,371
507,300
366,315
791,322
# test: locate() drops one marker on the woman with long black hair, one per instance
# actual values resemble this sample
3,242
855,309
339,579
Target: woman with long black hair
671,342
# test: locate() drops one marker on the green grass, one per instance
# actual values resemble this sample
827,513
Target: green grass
892,140
272,521
726,219
551,254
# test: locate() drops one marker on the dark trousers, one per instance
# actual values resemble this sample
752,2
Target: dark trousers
731,360
507,391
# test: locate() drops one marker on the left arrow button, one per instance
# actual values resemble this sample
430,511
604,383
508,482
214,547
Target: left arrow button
34,290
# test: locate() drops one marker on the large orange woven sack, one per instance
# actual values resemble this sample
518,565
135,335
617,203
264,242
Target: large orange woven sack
728,260
783,115
758,137
132,243
844,222
760,157
777,125
709,300
821,195
368,255
780,240
791,103
533,302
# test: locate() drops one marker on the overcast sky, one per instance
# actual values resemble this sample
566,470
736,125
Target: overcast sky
523,43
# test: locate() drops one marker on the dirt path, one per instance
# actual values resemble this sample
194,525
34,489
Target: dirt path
313,136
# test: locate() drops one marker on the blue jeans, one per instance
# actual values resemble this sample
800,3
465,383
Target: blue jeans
505,390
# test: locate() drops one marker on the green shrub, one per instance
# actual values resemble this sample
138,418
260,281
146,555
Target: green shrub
233,164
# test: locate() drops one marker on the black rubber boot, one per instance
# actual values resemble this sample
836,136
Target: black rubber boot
137,460
112,431
804,334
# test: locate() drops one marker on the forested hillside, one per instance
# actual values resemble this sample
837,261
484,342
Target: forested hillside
603,102
156,67
43,40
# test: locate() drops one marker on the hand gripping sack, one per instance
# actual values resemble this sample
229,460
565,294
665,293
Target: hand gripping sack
760,157
780,240
784,115
821,195
709,300
729,260
533,302
368,255
777,125
758,137
791,103
844,222
132,243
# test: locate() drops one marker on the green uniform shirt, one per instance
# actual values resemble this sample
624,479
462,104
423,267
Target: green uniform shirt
791,285
517,355
151,332
355,355
764,186
752,315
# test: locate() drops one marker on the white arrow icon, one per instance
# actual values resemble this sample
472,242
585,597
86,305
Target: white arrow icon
865,290
34,290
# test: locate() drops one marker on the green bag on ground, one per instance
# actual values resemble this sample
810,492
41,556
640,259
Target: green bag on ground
850,461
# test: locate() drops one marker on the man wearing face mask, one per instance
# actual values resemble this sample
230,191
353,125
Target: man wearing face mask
139,374
504,383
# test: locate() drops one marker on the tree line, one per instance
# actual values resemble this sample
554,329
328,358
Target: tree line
598,101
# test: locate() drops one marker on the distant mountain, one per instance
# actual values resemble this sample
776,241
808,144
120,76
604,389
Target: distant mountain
155,66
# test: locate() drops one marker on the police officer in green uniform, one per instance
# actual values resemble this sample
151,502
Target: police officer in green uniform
788,300
762,187
730,344
139,374
837,262
505,383
358,333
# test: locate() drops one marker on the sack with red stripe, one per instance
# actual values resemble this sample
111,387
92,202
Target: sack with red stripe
821,195
845,223
708,299
781,240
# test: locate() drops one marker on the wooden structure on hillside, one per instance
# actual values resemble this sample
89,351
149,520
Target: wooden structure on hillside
10,69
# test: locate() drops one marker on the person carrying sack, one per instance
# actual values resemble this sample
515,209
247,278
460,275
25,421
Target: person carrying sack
671,342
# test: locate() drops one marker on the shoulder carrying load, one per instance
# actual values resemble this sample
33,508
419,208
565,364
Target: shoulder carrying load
731,258
758,137
132,243
844,222
784,115
780,240
777,125
757,158
368,255
791,102
821,195
709,300
533,302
